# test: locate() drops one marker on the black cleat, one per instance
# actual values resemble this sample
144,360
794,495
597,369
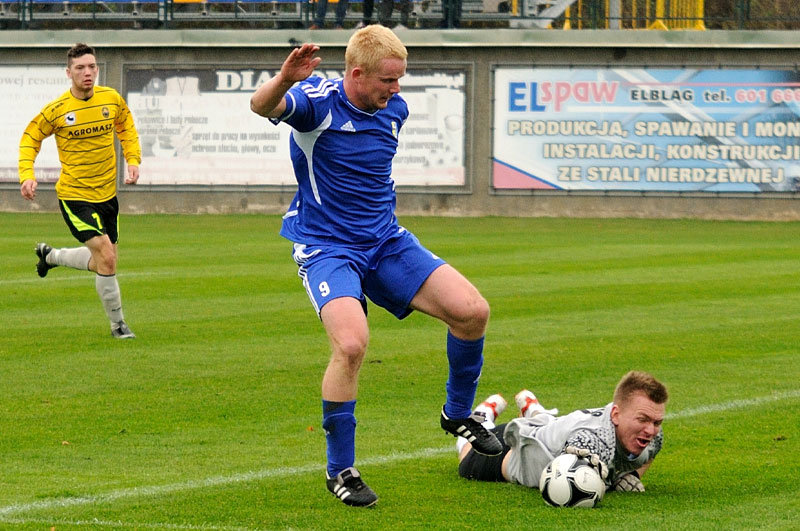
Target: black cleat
351,489
42,267
482,440
122,331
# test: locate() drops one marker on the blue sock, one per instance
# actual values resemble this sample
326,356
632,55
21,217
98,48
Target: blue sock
339,423
466,360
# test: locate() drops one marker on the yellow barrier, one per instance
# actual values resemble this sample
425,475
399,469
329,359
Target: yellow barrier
650,14
682,14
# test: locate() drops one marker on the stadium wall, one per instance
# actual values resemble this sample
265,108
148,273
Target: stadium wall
477,54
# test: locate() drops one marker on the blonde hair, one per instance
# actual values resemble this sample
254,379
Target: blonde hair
368,46
638,381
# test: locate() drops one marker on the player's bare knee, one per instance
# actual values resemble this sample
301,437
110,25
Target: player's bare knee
351,350
106,263
480,312
471,320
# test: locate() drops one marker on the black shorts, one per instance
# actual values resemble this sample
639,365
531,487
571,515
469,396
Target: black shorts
87,220
483,467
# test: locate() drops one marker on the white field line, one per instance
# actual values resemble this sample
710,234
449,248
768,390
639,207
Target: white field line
214,481
160,490
94,522
83,276
733,404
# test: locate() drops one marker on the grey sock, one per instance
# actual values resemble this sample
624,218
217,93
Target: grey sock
74,257
108,290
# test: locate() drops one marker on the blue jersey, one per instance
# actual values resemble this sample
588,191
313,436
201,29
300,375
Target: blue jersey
342,158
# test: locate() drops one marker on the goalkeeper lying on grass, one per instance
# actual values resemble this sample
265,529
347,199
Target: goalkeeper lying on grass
620,439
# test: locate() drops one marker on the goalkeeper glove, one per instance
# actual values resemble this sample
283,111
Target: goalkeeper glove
593,459
629,482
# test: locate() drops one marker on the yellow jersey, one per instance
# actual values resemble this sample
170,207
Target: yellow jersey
84,131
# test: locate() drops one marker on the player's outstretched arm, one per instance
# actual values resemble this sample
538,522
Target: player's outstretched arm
268,99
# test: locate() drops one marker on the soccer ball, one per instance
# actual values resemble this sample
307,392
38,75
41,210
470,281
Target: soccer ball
570,481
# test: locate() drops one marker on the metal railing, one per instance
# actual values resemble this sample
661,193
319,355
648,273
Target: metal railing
553,14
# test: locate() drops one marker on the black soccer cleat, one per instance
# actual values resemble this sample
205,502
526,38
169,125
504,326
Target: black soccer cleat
42,267
351,489
482,440
121,331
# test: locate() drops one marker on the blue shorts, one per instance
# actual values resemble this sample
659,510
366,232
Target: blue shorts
390,273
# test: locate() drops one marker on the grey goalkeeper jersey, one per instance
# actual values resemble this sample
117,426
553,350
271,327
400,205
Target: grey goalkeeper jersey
537,441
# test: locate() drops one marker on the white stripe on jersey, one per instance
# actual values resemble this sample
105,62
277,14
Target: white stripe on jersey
306,141
321,90
292,213
293,105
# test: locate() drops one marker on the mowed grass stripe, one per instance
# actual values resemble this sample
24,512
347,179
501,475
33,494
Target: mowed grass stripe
210,482
215,481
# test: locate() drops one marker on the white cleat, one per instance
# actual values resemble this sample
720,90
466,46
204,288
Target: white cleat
492,407
529,405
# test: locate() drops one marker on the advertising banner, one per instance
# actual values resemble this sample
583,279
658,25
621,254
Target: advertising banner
24,91
196,128
683,130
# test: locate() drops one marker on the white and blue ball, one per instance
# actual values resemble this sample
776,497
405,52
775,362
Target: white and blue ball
570,481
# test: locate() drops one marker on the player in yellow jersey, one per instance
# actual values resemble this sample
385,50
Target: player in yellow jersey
84,120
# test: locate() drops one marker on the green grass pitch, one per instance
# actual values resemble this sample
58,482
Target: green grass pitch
210,419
